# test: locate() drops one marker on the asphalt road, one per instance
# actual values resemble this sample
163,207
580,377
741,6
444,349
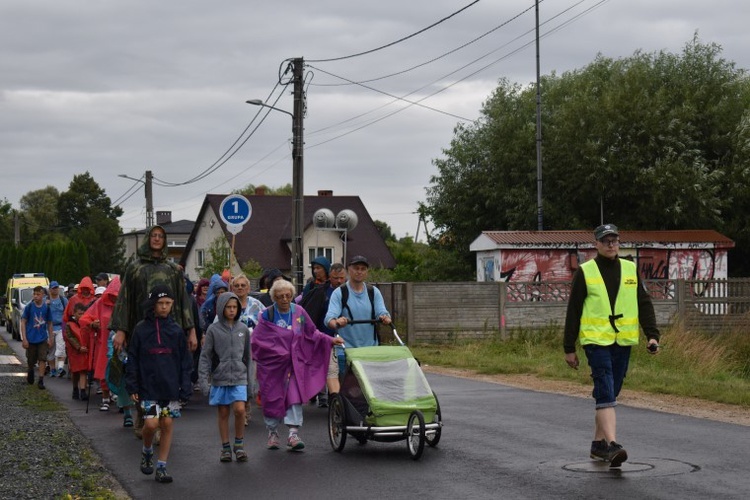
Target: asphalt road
497,442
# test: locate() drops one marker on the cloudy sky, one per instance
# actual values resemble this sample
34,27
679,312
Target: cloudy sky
120,87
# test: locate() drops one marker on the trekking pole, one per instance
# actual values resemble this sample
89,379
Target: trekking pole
90,374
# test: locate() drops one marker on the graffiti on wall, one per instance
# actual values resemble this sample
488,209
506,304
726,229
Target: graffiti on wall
703,264
559,265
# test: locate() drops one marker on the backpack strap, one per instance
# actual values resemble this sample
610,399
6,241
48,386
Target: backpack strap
345,297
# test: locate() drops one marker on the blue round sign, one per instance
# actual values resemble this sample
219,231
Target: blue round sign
235,210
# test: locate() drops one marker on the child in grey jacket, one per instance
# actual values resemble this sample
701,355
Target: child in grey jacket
226,359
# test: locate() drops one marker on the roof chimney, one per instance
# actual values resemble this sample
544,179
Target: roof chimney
325,192
164,217
260,191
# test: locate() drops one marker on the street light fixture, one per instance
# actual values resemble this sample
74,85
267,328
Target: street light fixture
149,195
297,173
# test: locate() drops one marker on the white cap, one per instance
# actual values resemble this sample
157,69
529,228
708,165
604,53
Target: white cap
100,290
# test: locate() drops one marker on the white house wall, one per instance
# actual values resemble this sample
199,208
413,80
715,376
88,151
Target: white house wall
209,229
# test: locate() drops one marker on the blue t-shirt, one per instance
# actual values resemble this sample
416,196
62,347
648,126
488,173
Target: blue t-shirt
360,335
37,318
57,306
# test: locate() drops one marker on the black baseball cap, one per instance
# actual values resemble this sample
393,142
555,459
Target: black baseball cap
604,230
359,259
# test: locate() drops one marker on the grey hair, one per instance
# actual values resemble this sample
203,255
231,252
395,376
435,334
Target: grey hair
280,286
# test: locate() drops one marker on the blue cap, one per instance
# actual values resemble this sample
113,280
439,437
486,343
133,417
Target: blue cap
54,284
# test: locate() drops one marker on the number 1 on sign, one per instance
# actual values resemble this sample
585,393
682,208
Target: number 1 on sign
236,206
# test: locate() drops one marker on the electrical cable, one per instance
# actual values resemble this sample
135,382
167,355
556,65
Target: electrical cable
443,89
230,152
127,192
394,96
470,42
397,41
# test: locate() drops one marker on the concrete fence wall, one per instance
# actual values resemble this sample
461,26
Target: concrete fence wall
434,312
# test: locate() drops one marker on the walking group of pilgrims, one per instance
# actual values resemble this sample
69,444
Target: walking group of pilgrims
151,340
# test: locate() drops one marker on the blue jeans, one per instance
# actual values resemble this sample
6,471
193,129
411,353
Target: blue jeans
609,365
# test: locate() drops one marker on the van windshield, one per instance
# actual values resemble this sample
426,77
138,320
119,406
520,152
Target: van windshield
25,295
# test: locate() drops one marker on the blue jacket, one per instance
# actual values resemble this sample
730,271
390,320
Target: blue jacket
159,362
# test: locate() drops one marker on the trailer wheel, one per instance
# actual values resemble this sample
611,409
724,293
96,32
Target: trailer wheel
337,423
415,434
434,438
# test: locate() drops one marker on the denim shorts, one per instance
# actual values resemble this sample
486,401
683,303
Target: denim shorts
609,365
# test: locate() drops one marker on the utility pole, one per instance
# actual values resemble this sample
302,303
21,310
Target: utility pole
16,228
149,199
298,191
539,206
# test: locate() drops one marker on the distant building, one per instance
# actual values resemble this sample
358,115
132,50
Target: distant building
267,236
555,255
177,236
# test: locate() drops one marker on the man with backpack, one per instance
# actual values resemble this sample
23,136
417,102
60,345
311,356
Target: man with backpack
355,301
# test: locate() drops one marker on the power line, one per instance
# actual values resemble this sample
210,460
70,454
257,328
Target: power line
443,89
397,41
125,196
230,152
470,42
393,96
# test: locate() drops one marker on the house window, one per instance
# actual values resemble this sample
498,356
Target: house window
200,255
326,252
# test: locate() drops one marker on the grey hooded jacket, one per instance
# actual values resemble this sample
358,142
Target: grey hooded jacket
228,342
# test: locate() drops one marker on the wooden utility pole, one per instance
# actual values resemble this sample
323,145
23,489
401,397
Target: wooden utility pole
149,199
298,191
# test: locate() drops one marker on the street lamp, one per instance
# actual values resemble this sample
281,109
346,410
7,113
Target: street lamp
149,195
297,183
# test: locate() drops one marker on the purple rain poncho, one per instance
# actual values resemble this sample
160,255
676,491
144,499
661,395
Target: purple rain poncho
292,365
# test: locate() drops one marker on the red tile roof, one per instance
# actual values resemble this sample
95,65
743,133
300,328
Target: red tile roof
587,237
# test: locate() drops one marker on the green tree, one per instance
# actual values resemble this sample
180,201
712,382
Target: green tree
217,259
652,141
39,213
6,221
249,190
87,215
385,230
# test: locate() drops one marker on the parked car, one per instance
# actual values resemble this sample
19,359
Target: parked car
14,301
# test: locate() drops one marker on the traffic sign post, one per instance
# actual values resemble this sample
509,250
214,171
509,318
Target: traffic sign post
235,211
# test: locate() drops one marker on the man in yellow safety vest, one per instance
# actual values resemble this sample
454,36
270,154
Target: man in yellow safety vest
607,304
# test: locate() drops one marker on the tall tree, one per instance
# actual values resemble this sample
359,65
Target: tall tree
39,213
87,215
6,222
652,141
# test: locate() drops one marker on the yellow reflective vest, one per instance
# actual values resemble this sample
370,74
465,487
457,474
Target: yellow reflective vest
599,324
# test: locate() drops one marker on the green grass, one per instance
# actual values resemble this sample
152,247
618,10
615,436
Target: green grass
713,367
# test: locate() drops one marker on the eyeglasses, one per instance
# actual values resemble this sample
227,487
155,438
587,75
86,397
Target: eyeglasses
610,242
159,236
285,296
240,285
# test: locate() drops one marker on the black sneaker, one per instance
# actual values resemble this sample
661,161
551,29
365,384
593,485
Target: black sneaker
76,393
41,383
84,396
162,476
147,463
30,377
599,450
616,454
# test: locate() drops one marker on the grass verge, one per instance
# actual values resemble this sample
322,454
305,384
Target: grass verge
713,367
